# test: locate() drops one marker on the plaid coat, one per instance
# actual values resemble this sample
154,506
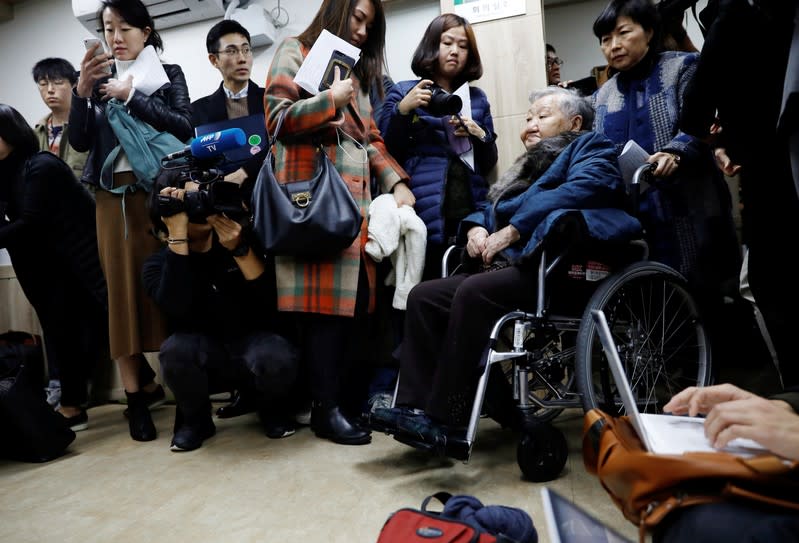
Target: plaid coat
326,286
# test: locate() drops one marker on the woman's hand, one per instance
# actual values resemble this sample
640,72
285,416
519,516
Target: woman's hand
725,163
772,423
92,69
419,96
403,195
342,89
695,401
498,241
177,225
466,127
667,163
116,88
227,230
476,241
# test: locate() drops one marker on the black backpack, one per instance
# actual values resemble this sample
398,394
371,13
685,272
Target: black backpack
30,430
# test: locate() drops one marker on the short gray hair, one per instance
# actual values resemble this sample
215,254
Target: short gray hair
571,103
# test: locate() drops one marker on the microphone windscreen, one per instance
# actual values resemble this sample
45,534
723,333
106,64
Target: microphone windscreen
216,143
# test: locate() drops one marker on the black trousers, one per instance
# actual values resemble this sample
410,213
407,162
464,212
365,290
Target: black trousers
447,324
770,211
195,365
335,350
724,522
74,326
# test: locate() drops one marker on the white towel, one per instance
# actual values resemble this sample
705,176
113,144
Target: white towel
397,233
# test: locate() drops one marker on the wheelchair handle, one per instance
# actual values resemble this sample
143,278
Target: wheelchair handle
634,190
644,169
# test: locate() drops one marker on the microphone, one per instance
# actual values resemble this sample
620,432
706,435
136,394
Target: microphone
211,145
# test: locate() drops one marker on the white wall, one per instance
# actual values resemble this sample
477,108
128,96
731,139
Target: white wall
47,28
568,29
58,33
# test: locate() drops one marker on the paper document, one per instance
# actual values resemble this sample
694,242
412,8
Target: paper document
147,71
676,435
631,158
328,51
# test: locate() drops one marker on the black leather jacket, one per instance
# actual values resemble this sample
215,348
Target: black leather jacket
167,109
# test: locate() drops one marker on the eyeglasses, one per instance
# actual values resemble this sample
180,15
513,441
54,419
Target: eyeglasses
554,61
235,51
44,83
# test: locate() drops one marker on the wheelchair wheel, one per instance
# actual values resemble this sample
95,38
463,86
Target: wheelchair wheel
542,453
658,331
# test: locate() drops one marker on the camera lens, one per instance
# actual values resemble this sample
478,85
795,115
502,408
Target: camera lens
443,103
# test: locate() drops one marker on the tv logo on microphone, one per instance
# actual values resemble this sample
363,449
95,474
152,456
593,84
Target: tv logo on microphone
209,141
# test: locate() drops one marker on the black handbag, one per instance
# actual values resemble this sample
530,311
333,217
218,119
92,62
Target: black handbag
313,218
30,430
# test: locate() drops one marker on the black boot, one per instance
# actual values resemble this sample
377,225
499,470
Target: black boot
139,420
330,423
241,403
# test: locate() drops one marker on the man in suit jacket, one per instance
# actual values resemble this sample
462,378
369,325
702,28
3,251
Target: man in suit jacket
229,51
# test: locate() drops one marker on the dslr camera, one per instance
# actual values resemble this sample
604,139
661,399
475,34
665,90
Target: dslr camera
443,103
214,195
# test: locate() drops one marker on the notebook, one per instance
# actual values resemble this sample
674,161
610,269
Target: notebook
662,434
254,128
568,523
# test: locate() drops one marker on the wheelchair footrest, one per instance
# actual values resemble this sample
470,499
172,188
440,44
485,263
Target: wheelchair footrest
453,447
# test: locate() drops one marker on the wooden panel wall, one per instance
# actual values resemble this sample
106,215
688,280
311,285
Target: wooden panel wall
16,312
512,51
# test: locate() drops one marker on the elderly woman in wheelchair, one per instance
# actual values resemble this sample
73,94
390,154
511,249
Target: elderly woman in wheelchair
566,172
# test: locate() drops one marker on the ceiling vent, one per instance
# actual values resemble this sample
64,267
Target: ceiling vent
165,13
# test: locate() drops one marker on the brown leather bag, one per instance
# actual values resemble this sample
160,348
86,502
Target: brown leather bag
646,486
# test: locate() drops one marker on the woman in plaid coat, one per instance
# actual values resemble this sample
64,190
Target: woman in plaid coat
331,297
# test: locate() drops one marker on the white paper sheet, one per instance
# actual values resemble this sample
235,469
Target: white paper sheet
313,67
631,158
466,111
147,71
677,435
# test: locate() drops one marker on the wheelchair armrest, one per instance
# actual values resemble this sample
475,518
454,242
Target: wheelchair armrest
451,260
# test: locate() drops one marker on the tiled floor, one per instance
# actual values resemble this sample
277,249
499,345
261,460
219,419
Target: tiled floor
242,487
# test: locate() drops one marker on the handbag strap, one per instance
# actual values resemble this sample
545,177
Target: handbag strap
278,125
440,496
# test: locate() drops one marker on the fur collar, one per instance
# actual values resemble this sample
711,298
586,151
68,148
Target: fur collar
530,166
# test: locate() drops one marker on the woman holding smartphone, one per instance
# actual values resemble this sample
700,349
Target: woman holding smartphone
331,297
123,227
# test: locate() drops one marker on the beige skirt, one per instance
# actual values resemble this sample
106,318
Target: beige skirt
135,324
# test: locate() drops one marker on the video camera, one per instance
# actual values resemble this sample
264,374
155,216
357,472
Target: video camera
196,163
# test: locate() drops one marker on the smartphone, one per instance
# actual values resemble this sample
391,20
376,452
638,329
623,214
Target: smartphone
337,60
89,43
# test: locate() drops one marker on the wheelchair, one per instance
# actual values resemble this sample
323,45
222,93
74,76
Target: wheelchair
553,359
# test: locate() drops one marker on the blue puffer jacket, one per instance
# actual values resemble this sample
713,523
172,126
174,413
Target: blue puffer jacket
419,144
585,179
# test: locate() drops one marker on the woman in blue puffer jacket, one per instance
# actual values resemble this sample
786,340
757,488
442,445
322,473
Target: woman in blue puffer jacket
446,155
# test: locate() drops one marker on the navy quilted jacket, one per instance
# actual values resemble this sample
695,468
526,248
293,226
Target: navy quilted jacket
419,144
584,179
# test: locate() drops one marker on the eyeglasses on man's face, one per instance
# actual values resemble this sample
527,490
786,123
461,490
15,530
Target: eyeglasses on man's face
44,83
235,51
554,61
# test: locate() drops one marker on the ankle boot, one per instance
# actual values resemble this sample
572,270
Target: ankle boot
140,422
330,423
